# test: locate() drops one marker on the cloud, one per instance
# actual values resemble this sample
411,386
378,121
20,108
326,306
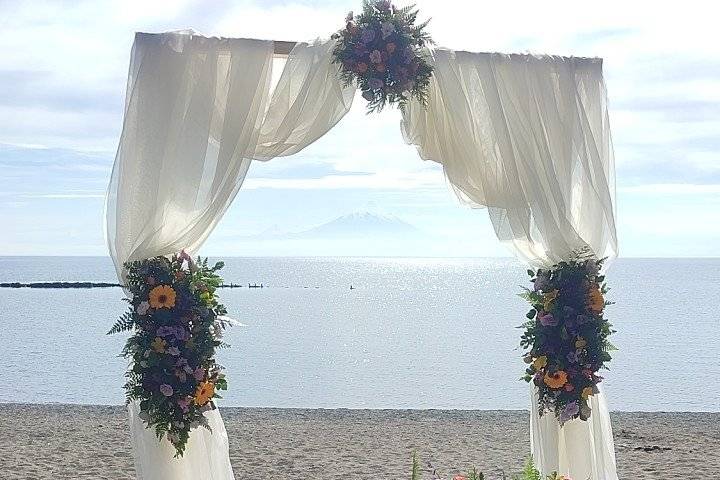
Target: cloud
673,189
64,66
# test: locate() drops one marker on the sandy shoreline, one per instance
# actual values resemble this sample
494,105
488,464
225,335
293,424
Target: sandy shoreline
62,441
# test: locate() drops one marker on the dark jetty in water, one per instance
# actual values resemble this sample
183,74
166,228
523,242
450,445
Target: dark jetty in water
91,285
59,285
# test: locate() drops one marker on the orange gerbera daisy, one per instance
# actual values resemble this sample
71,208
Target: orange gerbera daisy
204,393
162,296
596,301
555,380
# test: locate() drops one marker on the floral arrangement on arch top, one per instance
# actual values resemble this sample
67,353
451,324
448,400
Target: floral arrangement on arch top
177,324
384,51
566,335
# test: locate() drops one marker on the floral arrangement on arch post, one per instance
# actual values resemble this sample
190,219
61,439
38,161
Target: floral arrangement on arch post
177,323
566,335
385,53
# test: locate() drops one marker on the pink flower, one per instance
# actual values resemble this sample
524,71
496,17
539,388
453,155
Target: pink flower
362,67
375,56
166,390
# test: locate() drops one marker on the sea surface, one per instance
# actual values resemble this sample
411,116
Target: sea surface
412,333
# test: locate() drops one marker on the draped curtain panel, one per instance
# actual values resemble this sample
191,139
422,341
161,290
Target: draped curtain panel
198,110
525,136
528,137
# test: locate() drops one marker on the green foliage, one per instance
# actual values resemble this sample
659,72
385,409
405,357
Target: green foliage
175,319
474,474
403,72
529,472
415,467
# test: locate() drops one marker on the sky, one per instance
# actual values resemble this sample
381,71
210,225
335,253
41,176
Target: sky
62,83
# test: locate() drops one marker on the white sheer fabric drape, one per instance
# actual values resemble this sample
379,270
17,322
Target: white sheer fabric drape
528,137
198,110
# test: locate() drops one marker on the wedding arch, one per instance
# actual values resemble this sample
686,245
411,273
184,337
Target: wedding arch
525,136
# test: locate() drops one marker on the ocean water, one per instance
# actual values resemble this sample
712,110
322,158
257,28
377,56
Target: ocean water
413,333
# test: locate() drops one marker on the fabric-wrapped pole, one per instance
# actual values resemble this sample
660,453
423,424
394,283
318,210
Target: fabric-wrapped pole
528,138
198,110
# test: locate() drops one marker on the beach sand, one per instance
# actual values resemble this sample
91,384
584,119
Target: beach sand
68,442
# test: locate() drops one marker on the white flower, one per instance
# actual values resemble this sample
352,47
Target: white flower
387,29
142,308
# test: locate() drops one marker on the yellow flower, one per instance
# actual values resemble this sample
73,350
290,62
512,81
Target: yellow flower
162,296
596,301
540,362
549,298
204,393
556,380
580,343
587,391
158,345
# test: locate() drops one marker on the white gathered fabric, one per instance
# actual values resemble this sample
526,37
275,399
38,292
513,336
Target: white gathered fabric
206,455
198,110
580,449
528,137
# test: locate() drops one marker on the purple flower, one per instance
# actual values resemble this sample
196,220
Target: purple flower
570,410
383,5
387,29
376,56
582,319
407,56
367,35
199,374
542,281
181,334
184,404
547,320
166,390
572,357
174,351
375,83
165,331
